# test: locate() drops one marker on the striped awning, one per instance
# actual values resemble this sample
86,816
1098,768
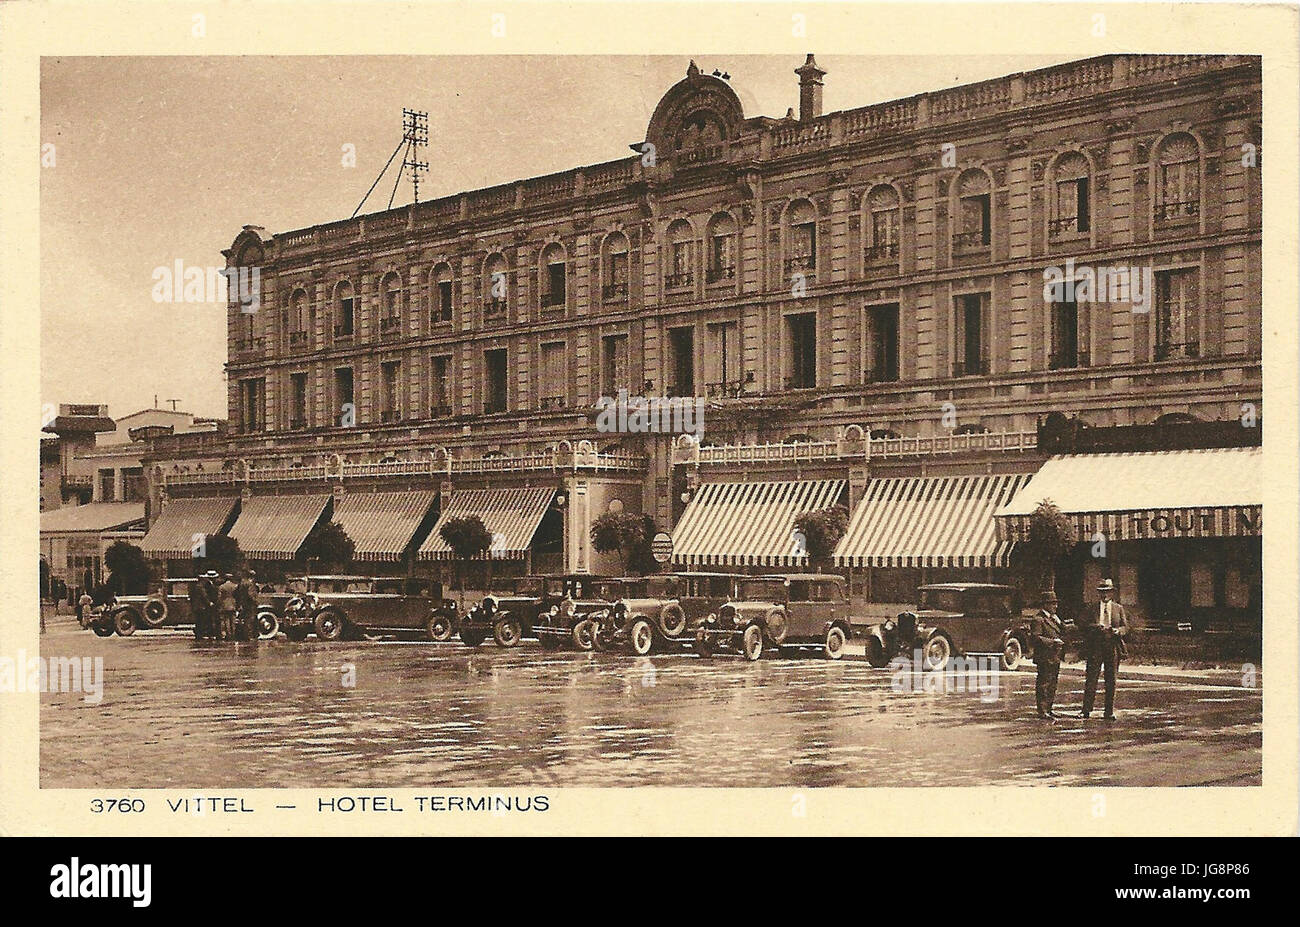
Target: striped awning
184,522
1210,492
749,524
939,521
274,527
382,524
510,515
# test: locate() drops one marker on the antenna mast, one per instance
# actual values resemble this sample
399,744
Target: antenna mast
415,130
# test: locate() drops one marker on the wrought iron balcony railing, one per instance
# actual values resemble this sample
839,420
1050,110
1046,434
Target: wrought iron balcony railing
1172,212
1172,351
614,291
678,280
1064,360
720,274
971,241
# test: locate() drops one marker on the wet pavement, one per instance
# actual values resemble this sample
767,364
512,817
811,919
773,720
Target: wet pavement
182,713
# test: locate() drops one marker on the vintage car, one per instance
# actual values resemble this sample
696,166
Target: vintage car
564,615
337,607
645,614
952,619
167,607
788,612
506,614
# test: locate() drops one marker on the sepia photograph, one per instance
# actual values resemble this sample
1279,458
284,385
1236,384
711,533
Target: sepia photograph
441,432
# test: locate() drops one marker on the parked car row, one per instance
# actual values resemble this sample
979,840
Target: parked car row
707,613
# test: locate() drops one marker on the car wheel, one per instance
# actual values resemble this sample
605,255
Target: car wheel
267,625
1013,653
835,641
751,643
438,628
641,636
155,612
103,628
672,620
876,652
777,626
329,625
124,622
583,634
472,637
937,653
297,633
703,646
507,632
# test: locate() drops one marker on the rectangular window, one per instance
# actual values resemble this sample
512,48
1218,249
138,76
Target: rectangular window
1178,323
970,359
616,284
298,399
134,487
252,404
880,339
554,385
444,301
107,486
681,274
390,391
803,245
344,406
1066,350
884,234
554,294
681,342
975,221
801,344
722,360
495,380
440,387
346,323
613,365
722,259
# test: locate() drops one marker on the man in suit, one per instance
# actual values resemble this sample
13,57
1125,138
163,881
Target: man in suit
1047,638
1104,628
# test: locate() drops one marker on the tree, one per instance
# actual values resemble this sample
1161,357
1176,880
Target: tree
1050,537
329,545
468,538
220,552
128,569
822,531
622,533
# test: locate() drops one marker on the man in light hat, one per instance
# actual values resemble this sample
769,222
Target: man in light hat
1104,627
1048,639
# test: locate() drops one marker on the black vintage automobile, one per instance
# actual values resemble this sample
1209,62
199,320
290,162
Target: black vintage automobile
564,615
952,619
507,614
167,607
336,606
662,612
787,612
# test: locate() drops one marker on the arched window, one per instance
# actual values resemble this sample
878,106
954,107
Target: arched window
298,319
390,291
440,294
722,249
882,223
800,238
344,310
614,264
1178,195
974,210
496,286
554,276
1071,202
681,261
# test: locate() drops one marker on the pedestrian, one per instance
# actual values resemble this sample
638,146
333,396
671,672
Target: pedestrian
228,607
1104,628
84,604
246,603
1047,637
203,602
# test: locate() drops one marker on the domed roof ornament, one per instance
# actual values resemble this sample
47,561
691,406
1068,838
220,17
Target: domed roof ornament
692,70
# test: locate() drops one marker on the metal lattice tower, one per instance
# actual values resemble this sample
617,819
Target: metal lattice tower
415,131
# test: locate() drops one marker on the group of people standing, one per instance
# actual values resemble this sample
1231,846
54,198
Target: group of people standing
224,606
1103,627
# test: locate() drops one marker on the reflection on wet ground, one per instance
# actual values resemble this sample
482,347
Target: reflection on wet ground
180,713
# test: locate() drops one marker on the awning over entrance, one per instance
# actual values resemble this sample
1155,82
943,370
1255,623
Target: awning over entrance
274,527
511,516
381,524
93,516
749,524
172,535
1216,492
944,521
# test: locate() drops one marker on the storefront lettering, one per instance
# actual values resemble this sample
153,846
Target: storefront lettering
1180,522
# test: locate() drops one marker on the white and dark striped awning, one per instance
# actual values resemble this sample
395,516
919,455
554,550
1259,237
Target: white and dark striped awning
183,523
382,524
929,521
749,524
274,527
1209,492
510,515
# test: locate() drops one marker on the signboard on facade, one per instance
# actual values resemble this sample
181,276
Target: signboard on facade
661,548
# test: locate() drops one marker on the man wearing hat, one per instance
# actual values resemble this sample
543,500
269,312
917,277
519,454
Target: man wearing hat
1045,634
1104,627
203,600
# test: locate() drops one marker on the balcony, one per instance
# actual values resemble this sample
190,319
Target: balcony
494,308
245,347
883,251
800,381
970,368
1189,350
1065,360
679,280
1066,227
720,274
390,325
390,416
1175,212
76,482
882,374
494,406
725,389
1015,442
612,291
298,339
971,241
440,409
553,403
343,331
801,264
552,300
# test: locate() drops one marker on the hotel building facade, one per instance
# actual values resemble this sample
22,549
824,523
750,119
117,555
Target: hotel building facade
858,299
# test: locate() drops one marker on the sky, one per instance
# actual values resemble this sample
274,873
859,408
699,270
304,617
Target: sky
158,160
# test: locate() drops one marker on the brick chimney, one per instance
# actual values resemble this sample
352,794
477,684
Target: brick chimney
810,89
